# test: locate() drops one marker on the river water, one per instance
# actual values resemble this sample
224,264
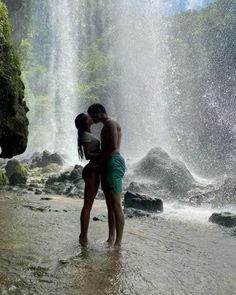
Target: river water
175,253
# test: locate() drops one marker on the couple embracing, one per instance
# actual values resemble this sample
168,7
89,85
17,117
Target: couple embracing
105,163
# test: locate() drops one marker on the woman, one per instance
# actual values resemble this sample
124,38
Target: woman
88,146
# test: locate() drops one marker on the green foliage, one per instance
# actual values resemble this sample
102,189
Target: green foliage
21,169
96,70
11,90
3,178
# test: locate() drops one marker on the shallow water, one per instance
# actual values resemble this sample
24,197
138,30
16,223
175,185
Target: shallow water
178,252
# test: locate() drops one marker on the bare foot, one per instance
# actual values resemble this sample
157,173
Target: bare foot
83,241
110,242
117,246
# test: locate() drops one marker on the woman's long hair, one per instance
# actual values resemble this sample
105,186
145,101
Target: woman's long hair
82,126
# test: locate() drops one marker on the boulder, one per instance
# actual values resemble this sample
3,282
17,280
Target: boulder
17,179
142,202
224,218
149,188
131,212
76,173
68,183
14,166
170,174
45,159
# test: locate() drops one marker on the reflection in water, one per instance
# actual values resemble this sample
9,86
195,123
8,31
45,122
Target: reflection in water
40,252
97,271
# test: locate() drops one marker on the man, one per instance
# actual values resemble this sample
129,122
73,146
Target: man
112,170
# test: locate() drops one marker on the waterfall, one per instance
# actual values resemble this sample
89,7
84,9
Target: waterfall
56,47
63,62
128,31
154,72
142,60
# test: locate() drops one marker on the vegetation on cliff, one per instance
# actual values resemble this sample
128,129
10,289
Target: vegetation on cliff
202,85
13,120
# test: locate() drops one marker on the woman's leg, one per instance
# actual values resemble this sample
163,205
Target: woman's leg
91,179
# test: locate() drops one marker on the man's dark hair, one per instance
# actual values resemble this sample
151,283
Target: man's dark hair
96,108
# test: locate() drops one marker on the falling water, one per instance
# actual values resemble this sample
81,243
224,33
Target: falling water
138,80
54,124
142,59
65,44
131,34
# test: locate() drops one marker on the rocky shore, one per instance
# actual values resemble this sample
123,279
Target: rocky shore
148,184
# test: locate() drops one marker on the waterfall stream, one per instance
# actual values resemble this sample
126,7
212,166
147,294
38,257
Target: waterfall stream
136,59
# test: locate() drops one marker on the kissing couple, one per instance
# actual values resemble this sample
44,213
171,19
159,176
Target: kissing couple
105,163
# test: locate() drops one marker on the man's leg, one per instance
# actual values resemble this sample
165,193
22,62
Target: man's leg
116,209
111,219
112,182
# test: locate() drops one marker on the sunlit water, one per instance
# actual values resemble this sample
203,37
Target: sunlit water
178,252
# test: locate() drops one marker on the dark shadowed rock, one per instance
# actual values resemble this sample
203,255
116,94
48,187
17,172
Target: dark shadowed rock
38,192
76,173
149,188
17,179
99,217
14,166
131,212
142,202
16,172
224,218
169,173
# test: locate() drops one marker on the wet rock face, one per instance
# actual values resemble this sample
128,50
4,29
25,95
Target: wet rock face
17,179
169,173
45,159
13,167
142,202
13,120
69,183
224,218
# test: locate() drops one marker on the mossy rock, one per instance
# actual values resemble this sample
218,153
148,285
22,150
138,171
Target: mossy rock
13,120
3,178
15,167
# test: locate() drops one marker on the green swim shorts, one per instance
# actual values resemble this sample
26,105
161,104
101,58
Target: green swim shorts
112,172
